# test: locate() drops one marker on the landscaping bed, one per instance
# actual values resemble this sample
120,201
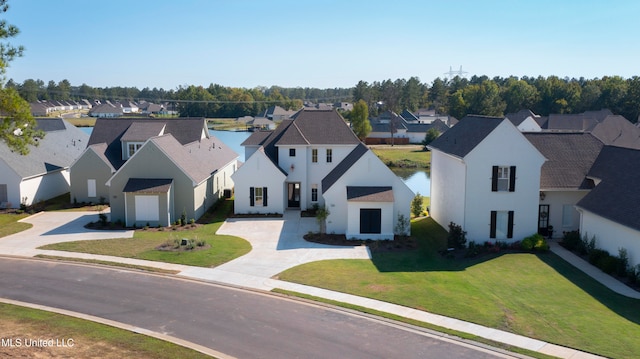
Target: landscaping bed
400,243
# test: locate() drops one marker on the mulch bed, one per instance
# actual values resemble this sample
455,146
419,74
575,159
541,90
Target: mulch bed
399,244
118,226
255,215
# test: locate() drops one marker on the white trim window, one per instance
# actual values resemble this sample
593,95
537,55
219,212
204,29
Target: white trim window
91,188
314,155
133,147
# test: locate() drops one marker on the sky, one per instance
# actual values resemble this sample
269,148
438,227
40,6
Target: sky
320,43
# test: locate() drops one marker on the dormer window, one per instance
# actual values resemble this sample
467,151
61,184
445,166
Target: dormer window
133,147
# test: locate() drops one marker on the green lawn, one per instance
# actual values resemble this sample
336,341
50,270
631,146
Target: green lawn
89,339
403,156
143,244
9,223
538,296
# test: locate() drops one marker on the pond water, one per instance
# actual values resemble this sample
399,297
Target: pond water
417,179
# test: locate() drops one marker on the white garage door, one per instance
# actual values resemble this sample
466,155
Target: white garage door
147,208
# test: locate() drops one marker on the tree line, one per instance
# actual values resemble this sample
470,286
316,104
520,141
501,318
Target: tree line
498,96
456,97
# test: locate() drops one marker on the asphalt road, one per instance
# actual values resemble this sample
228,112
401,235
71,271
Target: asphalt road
239,323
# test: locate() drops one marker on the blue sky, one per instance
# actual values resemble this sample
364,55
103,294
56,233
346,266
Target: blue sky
322,43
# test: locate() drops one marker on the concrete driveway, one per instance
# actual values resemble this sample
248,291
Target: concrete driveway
278,244
55,227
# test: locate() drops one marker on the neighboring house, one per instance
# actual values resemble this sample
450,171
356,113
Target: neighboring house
314,159
105,110
390,128
277,113
129,107
563,179
44,172
610,212
525,121
260,123
485,177
153,170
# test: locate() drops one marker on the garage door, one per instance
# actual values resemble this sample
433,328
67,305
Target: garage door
370,220
147,208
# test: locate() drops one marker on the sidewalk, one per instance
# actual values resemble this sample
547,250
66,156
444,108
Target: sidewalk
277,245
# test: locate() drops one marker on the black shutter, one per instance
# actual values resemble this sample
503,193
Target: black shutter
492,231
251,199
494,179
264,196
510,225
512,179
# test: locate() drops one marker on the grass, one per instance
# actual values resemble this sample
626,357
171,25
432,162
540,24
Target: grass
82,122
143,245
538,296
89,339
413,322
9,223
108,263
403,156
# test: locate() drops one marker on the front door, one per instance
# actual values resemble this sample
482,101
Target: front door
543,219
293,194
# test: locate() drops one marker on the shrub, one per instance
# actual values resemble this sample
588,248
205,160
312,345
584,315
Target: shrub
534,242
457,238
623,263
103,219
183,217
572,241
608,264
402,225
596,255
588,245
416,205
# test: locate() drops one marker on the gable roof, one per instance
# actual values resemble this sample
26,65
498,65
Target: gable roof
569,158
615,197
618,131
62,144
111,131
256,138
318,127
148,185
519,117
343,166
462,138
142,131
198,160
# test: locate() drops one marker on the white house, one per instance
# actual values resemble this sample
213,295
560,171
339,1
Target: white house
525,121
314,159
485,177
44,172
610,212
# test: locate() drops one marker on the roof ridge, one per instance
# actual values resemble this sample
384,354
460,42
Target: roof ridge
301,133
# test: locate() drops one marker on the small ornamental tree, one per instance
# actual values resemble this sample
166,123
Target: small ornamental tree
321,216
457,238
416,205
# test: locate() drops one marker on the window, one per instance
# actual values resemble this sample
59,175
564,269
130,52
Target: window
314,193
314,155
91,188
503,179
133,148
567,215
329,155
147,208
258,196
501,224
292,152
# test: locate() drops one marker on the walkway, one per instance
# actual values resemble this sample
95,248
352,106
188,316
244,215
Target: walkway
277,245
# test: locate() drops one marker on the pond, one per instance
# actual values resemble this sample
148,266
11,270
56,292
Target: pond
417,179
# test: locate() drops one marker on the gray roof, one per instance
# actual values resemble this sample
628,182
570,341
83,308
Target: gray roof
142,131
323,127
617,131
369,194
408,116
424,127
343,166
518,117
148,185
111,130
256,138
576,122
616,197
462,138
198,160
569,158
62,144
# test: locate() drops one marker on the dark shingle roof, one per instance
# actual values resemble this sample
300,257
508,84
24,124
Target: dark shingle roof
148,185
569,158
617,131
50,124
318,127
142,131
615,197
110,131
518,117
257,138
343,166
466,135
370,194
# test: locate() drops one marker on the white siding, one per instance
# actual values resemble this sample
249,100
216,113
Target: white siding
386,218
259,171
611,236
556,201
448,188
45,187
